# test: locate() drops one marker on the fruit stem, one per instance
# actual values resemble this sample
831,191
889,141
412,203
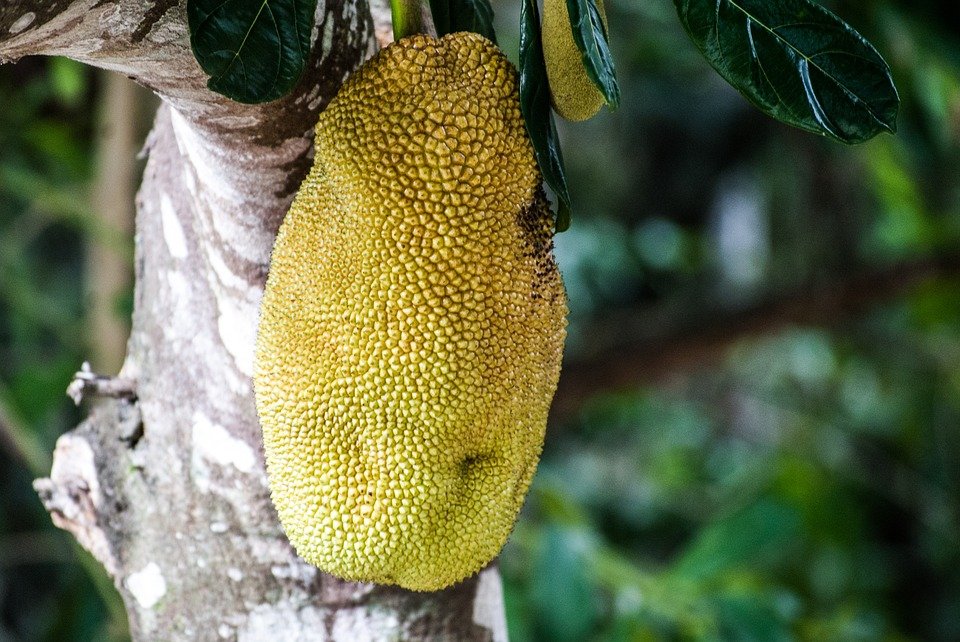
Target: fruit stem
407,18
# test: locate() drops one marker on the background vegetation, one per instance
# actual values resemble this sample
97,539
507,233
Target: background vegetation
756,435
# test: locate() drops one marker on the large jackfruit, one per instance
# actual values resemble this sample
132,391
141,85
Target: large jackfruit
413,321
572,92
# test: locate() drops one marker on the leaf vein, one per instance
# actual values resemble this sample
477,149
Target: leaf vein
842,86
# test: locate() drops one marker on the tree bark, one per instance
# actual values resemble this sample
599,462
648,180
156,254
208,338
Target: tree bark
168,489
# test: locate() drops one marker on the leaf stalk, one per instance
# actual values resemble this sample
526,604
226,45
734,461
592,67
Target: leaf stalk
407,18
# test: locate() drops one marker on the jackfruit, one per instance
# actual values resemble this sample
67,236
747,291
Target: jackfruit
573,94
412,323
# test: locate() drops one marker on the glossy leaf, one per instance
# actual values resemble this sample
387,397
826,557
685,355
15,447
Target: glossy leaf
591,37
798,62
254,50
535,105
451,16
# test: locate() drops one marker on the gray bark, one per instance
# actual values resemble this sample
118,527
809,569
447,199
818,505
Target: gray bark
168,489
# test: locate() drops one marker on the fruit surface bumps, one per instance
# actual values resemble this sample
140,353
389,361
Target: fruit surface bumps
413,322
573,94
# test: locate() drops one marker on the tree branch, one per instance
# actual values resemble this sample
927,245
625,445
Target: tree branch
649,347
87,383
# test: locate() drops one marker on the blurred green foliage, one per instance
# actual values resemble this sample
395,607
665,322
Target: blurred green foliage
806,487
48,586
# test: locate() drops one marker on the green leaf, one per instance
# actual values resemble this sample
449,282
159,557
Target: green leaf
562,592
535,105
591,38
797,62
742,539
451,16
254,50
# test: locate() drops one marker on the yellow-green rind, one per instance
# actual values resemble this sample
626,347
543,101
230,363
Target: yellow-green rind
573,94
412,323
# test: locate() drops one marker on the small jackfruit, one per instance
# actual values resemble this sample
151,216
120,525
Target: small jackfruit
413,322
574,95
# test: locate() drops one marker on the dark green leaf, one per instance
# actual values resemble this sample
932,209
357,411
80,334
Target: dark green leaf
797,62
451,16
535,105
254,50
591,38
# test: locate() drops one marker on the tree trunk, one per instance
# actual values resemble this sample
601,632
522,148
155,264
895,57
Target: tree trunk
167,488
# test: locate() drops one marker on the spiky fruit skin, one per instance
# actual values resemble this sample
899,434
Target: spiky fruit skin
413,322
573,94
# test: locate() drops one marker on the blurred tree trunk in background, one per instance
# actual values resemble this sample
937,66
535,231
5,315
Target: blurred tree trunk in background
648,346
165,484
123,108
